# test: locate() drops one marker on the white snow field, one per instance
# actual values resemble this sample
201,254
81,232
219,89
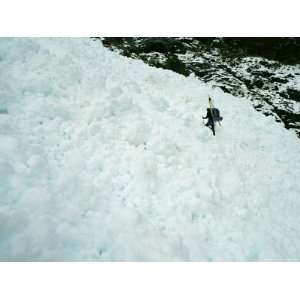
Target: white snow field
105,158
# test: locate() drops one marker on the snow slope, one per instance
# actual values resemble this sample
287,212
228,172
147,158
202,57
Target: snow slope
105,158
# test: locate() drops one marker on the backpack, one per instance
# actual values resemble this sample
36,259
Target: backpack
216,114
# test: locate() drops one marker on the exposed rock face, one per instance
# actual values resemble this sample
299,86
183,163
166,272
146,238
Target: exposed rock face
264,70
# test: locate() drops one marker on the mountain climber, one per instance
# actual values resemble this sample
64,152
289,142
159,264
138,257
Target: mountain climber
213,115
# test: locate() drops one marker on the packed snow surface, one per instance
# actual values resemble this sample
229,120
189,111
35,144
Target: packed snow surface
105,158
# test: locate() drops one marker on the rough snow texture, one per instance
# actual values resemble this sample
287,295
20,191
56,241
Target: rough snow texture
105,158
